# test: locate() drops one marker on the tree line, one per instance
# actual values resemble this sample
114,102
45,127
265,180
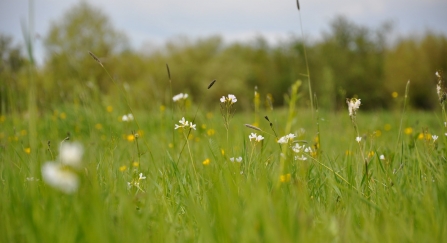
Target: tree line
348,61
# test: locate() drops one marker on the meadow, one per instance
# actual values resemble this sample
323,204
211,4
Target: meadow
153,177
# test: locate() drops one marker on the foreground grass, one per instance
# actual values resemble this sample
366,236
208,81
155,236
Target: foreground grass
326,198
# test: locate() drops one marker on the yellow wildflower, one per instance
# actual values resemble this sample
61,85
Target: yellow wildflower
210,132
285,178
408,130
130,137
109,108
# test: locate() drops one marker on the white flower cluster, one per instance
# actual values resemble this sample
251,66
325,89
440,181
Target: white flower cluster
238,159
61,174
353,106
180,96
136,182
128,117
285,139
185,123
231,99
300,151
253,136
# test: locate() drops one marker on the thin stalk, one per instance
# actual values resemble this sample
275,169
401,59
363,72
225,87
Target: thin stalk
192,161
399,136
305,59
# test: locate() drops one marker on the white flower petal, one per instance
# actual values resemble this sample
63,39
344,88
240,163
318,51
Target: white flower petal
71,154
56,176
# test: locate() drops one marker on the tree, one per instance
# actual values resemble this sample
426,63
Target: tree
11,62
83,28
353,57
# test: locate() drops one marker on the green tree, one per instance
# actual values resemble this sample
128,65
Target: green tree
83,28
11,63
417,59
352,58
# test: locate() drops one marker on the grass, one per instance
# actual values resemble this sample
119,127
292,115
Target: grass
322,199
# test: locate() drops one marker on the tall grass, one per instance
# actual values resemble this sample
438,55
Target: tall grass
318,199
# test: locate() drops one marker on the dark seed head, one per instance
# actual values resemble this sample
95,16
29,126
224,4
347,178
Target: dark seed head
211,84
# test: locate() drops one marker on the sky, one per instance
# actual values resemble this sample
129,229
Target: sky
155,21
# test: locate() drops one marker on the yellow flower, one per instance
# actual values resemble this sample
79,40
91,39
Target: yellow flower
378,133
27,150
203,126
2,118
170,145
210,132
387,127
109,108
135,164
408,130
285,178
123,168
63,115
222,152
98,126
130,137
162,108
347,152
394,94
370,154
206,162
209,115
421,136
23,132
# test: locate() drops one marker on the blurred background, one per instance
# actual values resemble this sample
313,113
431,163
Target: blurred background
366,49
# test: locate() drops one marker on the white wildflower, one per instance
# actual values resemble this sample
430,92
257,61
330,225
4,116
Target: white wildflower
128,117
71,154
239,159
297,148
185,123
231,99
285,139
358,139
180,96
141,177
435,137
60,177
255,137
353,106
382,157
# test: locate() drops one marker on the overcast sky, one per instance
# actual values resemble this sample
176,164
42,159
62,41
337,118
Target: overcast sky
154,21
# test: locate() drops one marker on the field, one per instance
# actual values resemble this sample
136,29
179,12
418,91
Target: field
142,180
